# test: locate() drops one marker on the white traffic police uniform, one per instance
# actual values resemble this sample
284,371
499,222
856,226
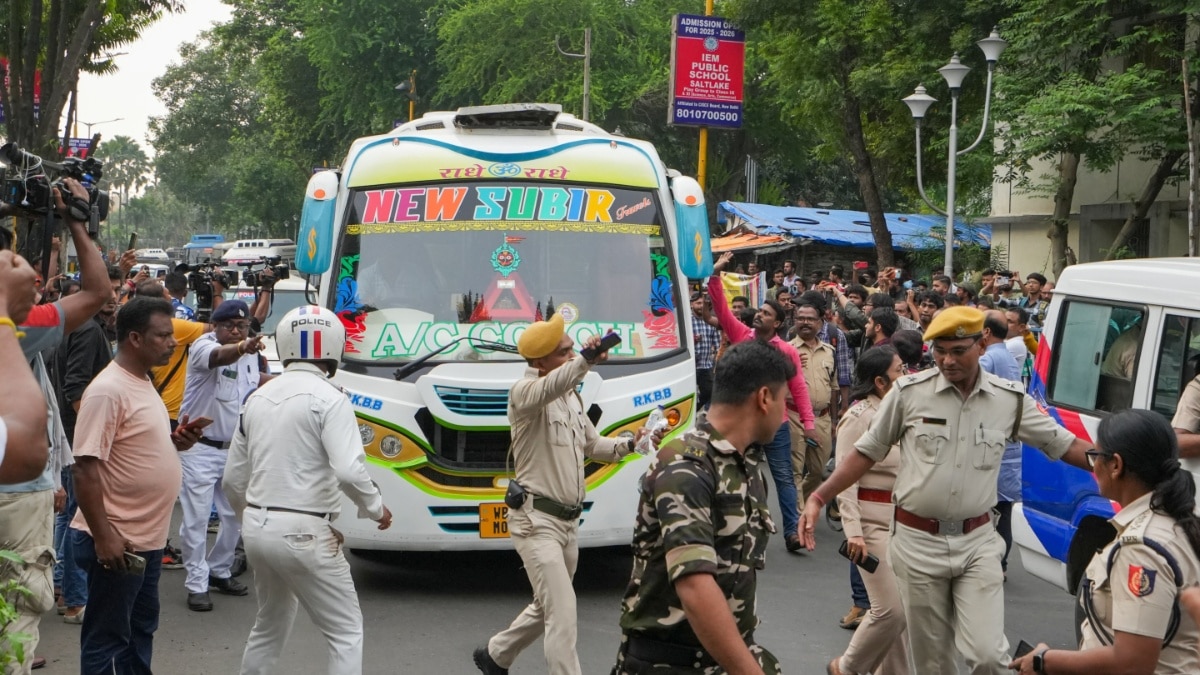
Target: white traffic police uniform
216,393
296,445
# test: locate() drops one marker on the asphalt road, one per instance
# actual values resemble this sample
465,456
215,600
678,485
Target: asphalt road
424,613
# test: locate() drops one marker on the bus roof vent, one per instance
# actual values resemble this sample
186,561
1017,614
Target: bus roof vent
508,116
428,126
568,127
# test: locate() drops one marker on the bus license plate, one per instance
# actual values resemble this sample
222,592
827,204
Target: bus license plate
493,520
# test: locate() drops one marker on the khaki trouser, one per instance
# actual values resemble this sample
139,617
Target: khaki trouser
549,547
952,588
879,643
808,463
27,528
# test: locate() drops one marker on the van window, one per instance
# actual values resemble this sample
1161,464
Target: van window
1095,359
1178,359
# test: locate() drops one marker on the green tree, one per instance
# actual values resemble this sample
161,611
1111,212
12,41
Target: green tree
1091,82
837,69
126,166
48,43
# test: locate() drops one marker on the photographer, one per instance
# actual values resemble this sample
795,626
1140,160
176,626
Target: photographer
27,509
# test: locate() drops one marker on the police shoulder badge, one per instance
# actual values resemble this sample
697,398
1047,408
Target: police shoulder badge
1141,580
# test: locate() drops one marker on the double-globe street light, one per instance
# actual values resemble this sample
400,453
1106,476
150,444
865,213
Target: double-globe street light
954,73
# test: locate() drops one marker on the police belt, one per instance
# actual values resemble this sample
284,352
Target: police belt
873,495
557,509
941,527
657,652
220,445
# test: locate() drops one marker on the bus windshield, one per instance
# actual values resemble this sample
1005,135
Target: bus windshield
422,266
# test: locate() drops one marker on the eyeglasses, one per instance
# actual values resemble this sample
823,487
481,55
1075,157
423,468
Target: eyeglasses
1092,455
241,326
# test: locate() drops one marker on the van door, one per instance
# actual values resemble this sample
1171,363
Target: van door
1178,364
1095,360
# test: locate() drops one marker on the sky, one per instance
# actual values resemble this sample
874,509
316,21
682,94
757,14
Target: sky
127,95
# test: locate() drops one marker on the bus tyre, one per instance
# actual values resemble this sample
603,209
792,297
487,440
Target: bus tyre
1079,613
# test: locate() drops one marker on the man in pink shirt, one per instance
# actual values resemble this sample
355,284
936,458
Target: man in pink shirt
779,451
127,476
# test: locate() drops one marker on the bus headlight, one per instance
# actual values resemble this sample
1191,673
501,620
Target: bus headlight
390,446
367,433
386,443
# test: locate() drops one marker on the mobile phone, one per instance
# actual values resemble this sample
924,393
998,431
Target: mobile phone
869,564
132,242
134,564
198,423
1023,648
606,343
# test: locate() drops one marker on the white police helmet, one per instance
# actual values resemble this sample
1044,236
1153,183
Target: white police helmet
310,333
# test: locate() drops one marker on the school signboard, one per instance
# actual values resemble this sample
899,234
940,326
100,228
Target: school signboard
708,57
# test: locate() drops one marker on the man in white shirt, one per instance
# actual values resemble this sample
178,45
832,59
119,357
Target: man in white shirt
223,368
1018,323
297,443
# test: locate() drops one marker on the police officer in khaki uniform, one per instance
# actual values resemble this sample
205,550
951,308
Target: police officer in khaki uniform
819,364
951,424
1187,420
551,435
1132,588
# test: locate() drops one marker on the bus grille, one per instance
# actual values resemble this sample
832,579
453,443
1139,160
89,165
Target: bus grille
466,401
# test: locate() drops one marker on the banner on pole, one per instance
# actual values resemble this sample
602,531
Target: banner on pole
708,59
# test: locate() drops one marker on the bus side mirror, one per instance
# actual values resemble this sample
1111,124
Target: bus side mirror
314,246
692,246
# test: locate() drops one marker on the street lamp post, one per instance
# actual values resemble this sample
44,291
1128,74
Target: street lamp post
89,125
918,103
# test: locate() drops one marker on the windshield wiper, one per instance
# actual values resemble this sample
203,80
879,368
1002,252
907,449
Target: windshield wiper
408,369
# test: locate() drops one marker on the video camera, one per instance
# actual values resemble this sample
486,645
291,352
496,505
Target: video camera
253,274
27,181
200,278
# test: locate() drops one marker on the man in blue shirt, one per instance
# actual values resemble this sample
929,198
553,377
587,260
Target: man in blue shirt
998,361
706,335
177,286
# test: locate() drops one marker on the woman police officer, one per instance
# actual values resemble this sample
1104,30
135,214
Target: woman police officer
878,645
1132,586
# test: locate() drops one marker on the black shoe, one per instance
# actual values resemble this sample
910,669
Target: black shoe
239,566
792,542
228,586
483,660
199,602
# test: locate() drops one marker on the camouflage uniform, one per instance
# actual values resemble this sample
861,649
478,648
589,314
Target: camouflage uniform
703,510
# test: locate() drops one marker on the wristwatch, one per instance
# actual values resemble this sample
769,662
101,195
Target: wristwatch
1039,661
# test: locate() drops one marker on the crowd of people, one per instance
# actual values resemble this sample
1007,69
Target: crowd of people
119,403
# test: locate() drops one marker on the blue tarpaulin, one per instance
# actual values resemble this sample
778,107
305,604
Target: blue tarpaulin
845,228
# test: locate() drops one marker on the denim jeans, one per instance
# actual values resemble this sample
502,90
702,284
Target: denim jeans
779,459
117,636
858,590
67,575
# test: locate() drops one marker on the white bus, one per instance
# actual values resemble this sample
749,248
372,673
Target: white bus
254,250
438,243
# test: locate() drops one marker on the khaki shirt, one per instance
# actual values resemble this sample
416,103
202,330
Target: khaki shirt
551,433
950,448
1138,595
881,476
820,373
1187,413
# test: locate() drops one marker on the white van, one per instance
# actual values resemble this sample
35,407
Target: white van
253,250
152,255
1122,334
